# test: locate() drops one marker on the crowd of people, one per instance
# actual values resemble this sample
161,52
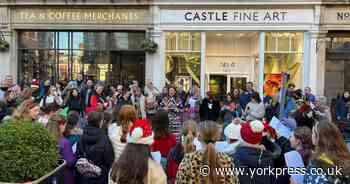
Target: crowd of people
133,134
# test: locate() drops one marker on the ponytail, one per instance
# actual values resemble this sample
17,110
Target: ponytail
188,143
210,159
125,130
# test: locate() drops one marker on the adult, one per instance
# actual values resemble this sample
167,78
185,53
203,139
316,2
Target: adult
272,108
177,153
74,101
245,97
124,100
255,109
163,139
135,165
117,133
250,154
56,126
80,82
52,97
72,131
308,95
11,85
192,104
35,86
151,90
301,141
291,105
172,104
330,152
27,111
98,101
343,106
87,92
95,146
210,108
190,167
138,100
322,110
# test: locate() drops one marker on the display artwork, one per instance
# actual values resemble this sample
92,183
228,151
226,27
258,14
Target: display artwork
185,81
272,84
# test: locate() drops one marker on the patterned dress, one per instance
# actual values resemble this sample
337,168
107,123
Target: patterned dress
175,111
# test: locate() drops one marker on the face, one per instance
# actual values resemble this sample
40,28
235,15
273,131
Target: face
99,90
34,112
47,83
249,86
294,142
89,83
137,92
307,90
53,90
75,93
9,80
236,92
120,89
80,77
165,90
172,92
346,94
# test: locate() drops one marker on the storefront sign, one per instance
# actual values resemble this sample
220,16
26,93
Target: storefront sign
239,16
337,16
80,16
228,65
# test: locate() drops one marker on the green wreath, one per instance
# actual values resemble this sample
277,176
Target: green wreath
149,46
4,45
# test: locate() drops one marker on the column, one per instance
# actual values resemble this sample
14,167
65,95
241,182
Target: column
261,63
6,56
317,62
203,58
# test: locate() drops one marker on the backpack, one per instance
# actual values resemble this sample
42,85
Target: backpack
86,167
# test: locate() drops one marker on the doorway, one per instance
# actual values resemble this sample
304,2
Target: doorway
126,67
221,84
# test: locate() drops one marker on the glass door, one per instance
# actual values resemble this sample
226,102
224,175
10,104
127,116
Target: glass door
237,82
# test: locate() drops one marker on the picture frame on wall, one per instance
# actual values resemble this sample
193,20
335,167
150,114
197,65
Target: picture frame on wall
185,81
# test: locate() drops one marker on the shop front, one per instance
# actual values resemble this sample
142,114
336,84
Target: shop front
337,58
101,43
223,49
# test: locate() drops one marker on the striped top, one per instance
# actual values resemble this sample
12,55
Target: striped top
114,134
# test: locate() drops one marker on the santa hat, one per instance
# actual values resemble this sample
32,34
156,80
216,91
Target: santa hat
252,132
140,133
232,131
35,83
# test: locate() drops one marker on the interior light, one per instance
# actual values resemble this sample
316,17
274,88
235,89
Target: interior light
219,34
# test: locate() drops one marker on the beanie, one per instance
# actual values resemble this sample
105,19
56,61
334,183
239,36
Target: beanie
251,132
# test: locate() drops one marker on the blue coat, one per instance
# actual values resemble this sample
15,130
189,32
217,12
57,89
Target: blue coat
244,99
342,109
291,106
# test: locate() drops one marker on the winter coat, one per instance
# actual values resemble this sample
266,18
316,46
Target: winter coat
164,145
75,104
342,109
209,110
65,150
155,174
247,157
96,147
174,159
245,98
114,134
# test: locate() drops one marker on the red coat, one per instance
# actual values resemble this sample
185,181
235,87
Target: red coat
164,145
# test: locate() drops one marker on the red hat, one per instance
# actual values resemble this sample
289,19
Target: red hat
35,83
140,133
251,132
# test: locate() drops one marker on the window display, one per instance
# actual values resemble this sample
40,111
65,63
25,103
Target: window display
283,54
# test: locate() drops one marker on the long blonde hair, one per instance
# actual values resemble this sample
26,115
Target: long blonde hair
22,112
189,132
209,134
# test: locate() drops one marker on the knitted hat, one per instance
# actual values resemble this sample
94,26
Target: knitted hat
35,83
140,133
232,131
251,132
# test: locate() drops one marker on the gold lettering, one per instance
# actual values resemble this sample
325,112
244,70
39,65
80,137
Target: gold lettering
51,15
136,16
23,16
58,15
110,16
32,15
105,16
88,16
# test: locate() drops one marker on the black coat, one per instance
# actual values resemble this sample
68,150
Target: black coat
97,148
75,103
207,113
247,157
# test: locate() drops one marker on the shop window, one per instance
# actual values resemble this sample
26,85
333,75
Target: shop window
285,56
183,59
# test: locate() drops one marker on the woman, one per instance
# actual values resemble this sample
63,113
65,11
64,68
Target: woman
255,109
163,140
342,107
94,146
330,152
135,165
117,133
51,97
172,104
193,104
25,95
190,167
321,109
74,101
235,95
72,131
27,111
56,126
301,141
97,101
177,153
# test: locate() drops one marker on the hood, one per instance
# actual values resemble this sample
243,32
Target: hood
91,135
252,157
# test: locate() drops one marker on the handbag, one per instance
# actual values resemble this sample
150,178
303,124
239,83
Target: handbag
86,167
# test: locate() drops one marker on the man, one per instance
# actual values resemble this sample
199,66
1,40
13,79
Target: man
80,82
210,108
245,98
87,92
12,87
308,95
